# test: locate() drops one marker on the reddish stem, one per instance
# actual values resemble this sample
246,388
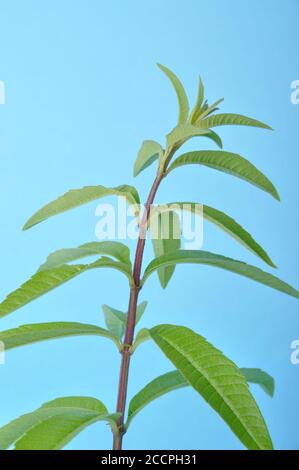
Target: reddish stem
130,327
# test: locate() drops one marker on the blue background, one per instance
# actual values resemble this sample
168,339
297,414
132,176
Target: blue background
82,92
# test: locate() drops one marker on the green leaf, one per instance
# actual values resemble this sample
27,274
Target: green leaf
54,424
180,92
259,377
148,153
230,226
199,100
230,163
142,336
156,388
36,332
219,261
203,108
166,237
182,133
174,380
215,137
231,119
66,255
209,110
39,284
45,281
140,311
78,197
115,320
217,379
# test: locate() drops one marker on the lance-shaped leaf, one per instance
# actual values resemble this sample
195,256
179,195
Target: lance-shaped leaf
142,336
261,378
116,320
217,379
118,250
219,261
215,138
230,163
209,110
230,226
78,197
180,92
149,152
231,119
36,332
156,388
199,100
47,280
166,237
174,380
226,223
140,311
182,133
54,424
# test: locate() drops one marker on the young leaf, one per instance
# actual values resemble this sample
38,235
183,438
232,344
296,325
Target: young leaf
148,153
200,96
117,250
54,424
219,261
115,320
203,108
174,380
166,237
230,226
217,379
180,92
142,336
78,197
47,280
209,110
231,119
230,163
140,311
36,332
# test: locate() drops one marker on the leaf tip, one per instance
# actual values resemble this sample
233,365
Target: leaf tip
164,283
265,126
26,226
164,69
276,195
269,261
272,388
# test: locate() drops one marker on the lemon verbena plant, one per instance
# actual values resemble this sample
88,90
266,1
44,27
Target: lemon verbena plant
196,362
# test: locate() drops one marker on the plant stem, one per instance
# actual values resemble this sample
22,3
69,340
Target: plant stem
130,327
